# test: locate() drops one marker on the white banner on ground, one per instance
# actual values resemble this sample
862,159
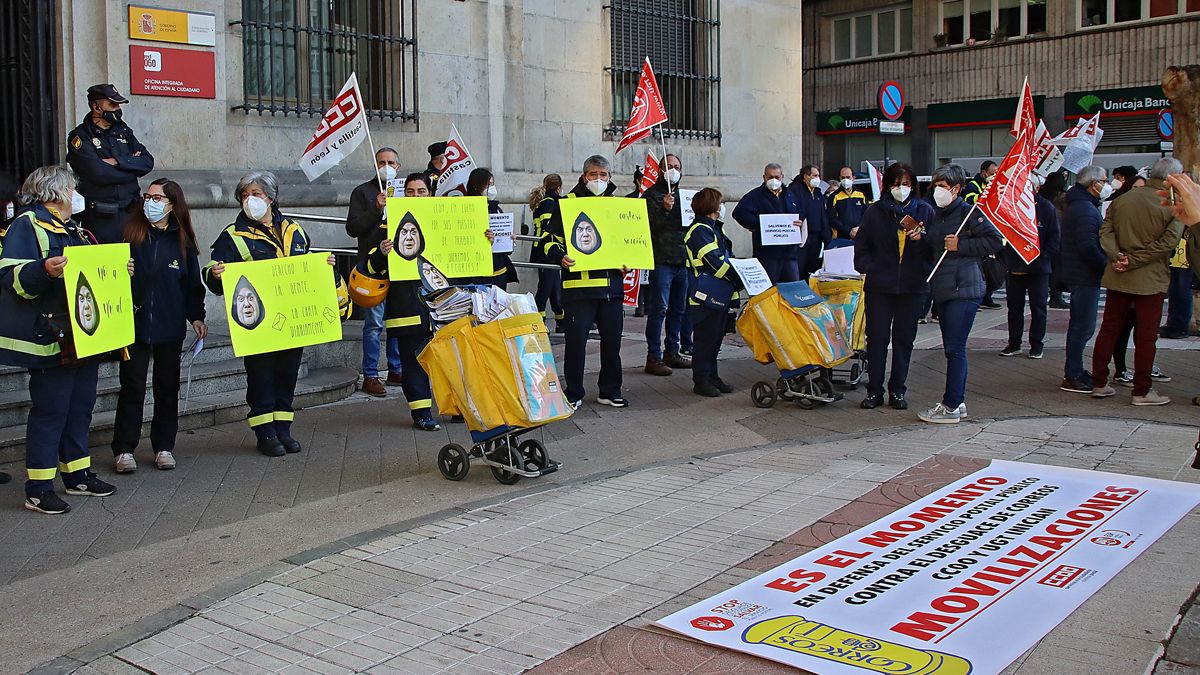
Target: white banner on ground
685,205
778,229
964,580
341,130
459,165
501,225
750,271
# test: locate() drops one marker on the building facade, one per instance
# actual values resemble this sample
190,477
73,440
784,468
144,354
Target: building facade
961,64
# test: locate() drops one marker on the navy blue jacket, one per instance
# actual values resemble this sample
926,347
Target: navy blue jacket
813,209
100,182
1083,261
1049,240
846,211
960,276
593,285
33,305
761,201
877,247
167,292
247,240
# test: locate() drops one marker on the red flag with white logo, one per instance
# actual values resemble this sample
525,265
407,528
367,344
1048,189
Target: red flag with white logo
1008,200
650,173
342,129
649,110
1024,118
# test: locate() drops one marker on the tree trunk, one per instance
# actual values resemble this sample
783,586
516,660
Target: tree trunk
1181,84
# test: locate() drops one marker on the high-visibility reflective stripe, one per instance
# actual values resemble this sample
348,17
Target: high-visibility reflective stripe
281,416
43,239
559,315
15,345
720,273
402,321
12,262
17,284
420,404
75,465
242,248
259,420
585,283
41,474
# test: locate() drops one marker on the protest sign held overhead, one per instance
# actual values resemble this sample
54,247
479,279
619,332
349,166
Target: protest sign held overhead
281,303
607,233
342,129
99,298
447,233
649,110
459,165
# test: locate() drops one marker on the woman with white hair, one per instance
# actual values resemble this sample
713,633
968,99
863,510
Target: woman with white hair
260,232
36,333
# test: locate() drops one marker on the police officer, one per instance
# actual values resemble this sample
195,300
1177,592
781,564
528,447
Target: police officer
108,159
437,164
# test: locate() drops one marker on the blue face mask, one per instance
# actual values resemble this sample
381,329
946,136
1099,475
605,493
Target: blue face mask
155,211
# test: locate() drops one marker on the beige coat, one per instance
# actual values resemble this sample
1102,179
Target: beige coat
1138,225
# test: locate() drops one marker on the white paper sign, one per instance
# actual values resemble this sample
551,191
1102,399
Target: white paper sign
501,225
840,262
394,187
750,271
776,229
685,203
962,581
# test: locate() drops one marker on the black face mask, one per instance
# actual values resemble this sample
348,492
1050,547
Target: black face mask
111,116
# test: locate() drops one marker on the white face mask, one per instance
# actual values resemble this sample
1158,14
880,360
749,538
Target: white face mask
721,213
942,197
901,192
673,176
1106,191
597,187
1116,183
387,173
490,192
255,208
78,203
847,184
773,184
814,182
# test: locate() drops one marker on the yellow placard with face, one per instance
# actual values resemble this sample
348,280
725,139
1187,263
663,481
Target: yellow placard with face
438,239
607,233
99,298
279,304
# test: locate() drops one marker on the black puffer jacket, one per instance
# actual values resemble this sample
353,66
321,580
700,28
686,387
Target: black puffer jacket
960,276
666,226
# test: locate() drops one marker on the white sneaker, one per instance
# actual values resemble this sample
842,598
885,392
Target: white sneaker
962,410
1151,398
164,460
940,414
126,463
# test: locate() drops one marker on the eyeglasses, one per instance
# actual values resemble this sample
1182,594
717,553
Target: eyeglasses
155,198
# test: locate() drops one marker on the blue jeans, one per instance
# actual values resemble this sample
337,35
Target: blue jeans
1085,300
1179,299
372,331
955,317
666,299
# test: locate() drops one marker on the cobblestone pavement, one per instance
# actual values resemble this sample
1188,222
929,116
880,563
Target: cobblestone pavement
507,587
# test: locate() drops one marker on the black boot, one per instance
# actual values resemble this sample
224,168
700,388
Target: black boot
271,447
290,445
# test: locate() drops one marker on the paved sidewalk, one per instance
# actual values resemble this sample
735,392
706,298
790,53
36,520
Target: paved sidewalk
570,578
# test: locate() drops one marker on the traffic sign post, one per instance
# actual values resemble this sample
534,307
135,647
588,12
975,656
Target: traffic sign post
891,105
1166,131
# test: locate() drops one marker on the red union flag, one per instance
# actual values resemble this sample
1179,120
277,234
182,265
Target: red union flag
649,110
1008,200
649,174
1024,118
342,128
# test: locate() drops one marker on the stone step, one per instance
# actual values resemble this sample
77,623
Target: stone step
318,386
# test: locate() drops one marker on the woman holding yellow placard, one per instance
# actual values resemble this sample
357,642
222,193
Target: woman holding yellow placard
168,297
481,183
36,333
260,232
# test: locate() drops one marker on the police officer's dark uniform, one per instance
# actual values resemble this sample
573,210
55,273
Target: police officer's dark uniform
406,318
110,190
271,377
34,325
433,173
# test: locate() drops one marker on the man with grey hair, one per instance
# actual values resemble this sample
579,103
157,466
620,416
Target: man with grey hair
1138,236
588,298
782,263
1083,262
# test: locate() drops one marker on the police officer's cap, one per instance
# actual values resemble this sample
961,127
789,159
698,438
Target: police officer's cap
99,91
438,148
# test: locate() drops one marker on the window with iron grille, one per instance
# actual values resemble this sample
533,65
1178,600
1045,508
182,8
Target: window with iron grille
682,38
297,54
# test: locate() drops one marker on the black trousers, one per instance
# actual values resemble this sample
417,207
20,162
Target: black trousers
781,270
270,389
609,318
1037,288
708,330
891,319
108,228
413,378
549,288
165,425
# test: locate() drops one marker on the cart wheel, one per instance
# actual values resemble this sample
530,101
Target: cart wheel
855,375
534,454
505,452
763,395
783,388
823,386
453,462
807,404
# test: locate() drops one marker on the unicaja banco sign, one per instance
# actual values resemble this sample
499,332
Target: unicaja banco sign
1131,101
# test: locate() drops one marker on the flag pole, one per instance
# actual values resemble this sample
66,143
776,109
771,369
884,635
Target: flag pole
370,141
956,233
662,137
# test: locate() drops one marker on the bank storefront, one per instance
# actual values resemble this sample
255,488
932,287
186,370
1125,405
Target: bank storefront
851,136
1129,117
